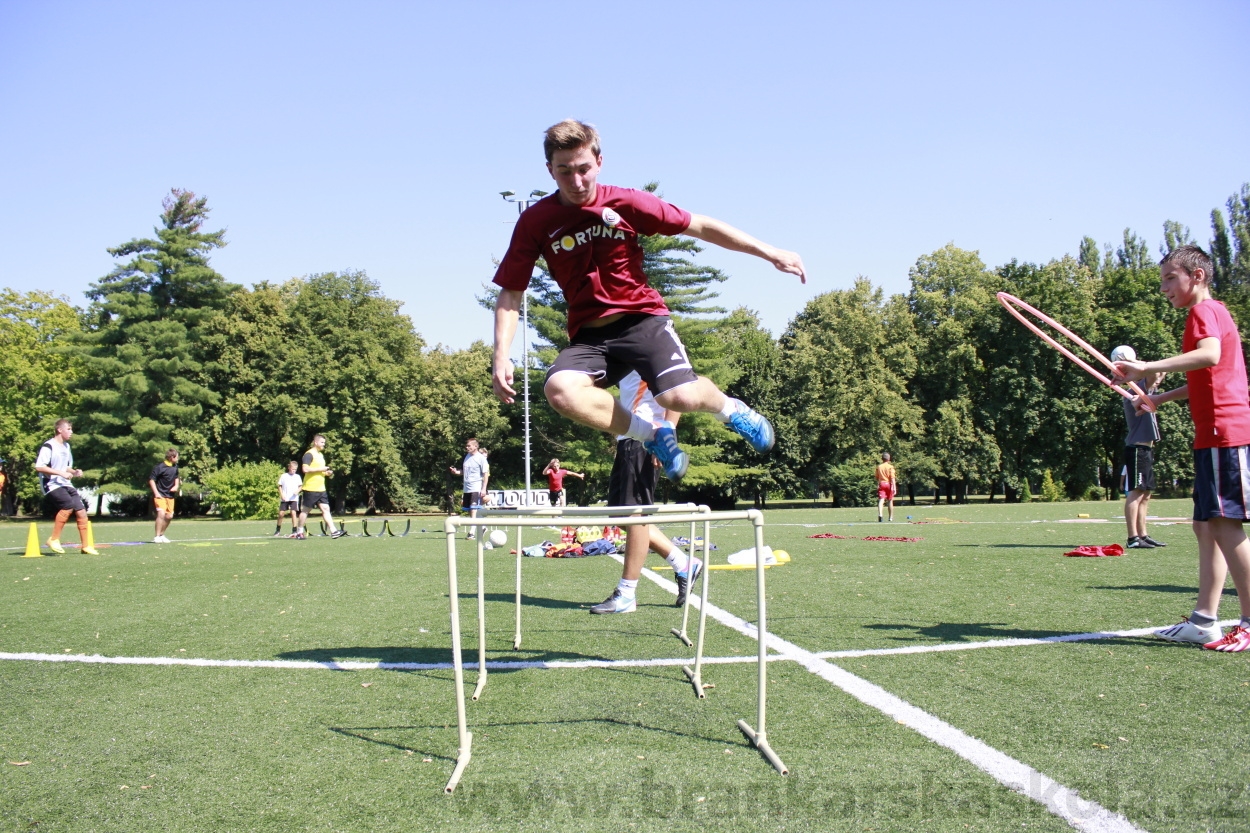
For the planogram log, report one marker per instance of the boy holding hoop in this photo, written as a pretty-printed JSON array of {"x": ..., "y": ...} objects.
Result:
[{"x": 1216, "y": 387}]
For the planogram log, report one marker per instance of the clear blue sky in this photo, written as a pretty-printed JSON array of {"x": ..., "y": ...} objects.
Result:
[{"x": 377, "y": 135}]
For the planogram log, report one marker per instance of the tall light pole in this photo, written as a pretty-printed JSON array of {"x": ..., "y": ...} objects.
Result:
[{"x": 523, "y": 203}]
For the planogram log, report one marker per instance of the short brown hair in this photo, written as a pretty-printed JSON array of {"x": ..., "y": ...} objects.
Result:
[
  {"x": 60, "y": 423},
  {"x": 1190, "y": 258},
  {"x": 570, "y": 134},
  {"x": 171, "y": 454}
]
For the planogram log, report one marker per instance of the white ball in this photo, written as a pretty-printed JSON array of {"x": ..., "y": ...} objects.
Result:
[
  {"x": 499, "y": 538},
  {"x": 1124, "y": 353}
]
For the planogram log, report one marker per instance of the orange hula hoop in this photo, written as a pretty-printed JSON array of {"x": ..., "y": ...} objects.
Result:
[{"x": 1013, "y": 305}]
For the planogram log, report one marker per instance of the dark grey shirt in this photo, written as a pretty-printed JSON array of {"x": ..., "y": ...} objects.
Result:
[{"x": 1142, "y": 430}]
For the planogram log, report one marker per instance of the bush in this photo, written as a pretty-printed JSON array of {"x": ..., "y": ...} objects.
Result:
[
  {"x": 852, "y": 483},
  {"x": 1052, "y": 490},
  {"x": 245, "y": 492}
]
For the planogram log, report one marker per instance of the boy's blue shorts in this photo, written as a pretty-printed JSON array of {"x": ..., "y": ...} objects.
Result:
[{"x": 1222, "y": 483}]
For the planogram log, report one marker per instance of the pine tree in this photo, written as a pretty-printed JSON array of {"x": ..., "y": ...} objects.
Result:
[{"x": 144, "y": 387}]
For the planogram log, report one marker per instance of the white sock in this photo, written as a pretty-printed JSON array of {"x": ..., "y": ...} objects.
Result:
[
  {"x": 731, "y": 407},
  {"x": 628, "y": 588},
  {"x": 678, "y": 560},
  {"x": 640, "y": 429}
]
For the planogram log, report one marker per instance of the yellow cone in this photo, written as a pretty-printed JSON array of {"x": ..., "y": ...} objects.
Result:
[{"x": 32, "y": 543}]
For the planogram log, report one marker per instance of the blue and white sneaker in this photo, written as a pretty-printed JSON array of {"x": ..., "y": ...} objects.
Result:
[
  {"x": 616, "y": 603},
  {"x": 684, "y": 580},
  {"x": 749, "y": 423},
  {"x": 664, "y": 446}
]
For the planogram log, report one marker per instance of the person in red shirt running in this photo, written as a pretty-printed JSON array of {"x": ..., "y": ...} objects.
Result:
[
  {"x": 555, "y": 481},
  {"x": 1216, "y": 387},
  {"x": 587, "y": 233}
]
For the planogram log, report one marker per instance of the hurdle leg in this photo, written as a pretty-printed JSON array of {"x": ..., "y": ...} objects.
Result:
[
  {"x": 685, "y": 608},
  {"x": 695, "y": 675},
  {"x": 481, "y": 617},
  {"x": 464, "y": 752},
  {"x": 516, "y": 637},
  {"x": 759, "y": 738}
]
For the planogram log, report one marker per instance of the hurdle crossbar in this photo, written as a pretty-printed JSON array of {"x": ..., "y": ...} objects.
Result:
[{"x": 630, "y": 516}]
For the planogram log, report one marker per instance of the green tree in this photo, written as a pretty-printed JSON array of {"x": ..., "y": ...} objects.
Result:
[
  {"x": 1230, "y": 251},
  {"x": 144, "y": 387},
  {"x": 38, "y": 381},
  {"x": 845, "y": 363},
  {"x": 324, "y": 354}
]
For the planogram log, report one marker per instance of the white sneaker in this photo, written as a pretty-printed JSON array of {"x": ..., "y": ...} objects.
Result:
[
  {"x": 1187, "y": 631},
  {"x": 161, "y": 539}
]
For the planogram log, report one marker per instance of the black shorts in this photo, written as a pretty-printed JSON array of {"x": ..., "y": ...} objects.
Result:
[
  {"x": 1222, "y": 483},
  {"x": 633, "y": 476},
  {"x": 646, "y": 343},
  {"x": 66, "y": 497},
  {"x": 1139, "y": 469},
  {"x": 471, "y": 500},
  {"x": 553, "y": 496},
  {"x": 314, "y": 499},
  {"x": 289, "y": 505}
]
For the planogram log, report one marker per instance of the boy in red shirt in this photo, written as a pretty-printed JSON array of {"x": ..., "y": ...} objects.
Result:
[
  {"x": 587, "y": 233},
  {"x": 1216, "y": 387},
  {"x": 555, "y": 481}
]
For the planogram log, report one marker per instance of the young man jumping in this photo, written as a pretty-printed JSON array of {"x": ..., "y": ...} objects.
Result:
[{"x": 587, "y": 233}]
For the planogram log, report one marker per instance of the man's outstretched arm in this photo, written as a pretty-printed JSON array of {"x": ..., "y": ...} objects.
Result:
[
  {"x": 507, "y": 311},
  {"x": 714, "y": 231}
]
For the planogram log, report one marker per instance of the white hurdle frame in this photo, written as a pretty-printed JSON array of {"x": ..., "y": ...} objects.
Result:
[
  {"x": 631, "y": 516},
  {"x": 557, "y": 513}
]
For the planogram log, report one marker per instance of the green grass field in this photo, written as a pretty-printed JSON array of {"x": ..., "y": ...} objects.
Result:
[{"x": 1152, "y": 731}]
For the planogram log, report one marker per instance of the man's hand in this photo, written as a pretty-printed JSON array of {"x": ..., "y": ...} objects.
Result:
[
  {"x": 502, "y": 381},
  {"x": 1129, "y": 371},
  {"x": 1139, "y": 404},
  {"x": 789, "y": 262}
]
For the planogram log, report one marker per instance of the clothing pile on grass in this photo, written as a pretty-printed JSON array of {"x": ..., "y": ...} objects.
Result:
[{"x": 580, "y": 542}]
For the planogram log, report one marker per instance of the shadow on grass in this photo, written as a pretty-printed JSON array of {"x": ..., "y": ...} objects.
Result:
[
  {"x": 428, "y": 656},
  {"x": 1064, "y": 547},
  {"x": 527, "y": 601},
  {"x": 967, "y": 631},
  {"x": 1189, "y": 590},
  {"x": 479, "y": 729}
]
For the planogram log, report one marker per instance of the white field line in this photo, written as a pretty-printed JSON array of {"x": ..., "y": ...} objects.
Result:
[
  {"x": 1013, "y": 774},
  {"x": 517, "y": 665}
]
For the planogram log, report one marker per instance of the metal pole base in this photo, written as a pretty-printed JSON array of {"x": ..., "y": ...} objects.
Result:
[
  {"x": 681, "y": 634},
  {"x": 462, "y": 760},
  {"x": 696, "y": 680},
  {"x": 760, "y": 742}
]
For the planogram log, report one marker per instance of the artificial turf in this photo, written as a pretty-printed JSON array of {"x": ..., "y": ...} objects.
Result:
[{"x": 1148, "y": 729}]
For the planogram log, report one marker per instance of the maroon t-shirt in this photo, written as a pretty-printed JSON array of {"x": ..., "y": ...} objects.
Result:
[
  {"x": 1218, "y": 396},
  {"x": 592, "y": 251}
]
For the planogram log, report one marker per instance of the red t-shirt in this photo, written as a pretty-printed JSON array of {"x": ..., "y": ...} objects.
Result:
[
  {"x": 555, "y": 479},
  {"x": 592, "y": 251},
  {"x": 1218, "y": 396}
]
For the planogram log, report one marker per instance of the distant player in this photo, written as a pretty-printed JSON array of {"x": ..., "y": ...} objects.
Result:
[
  {"x": 476, "y": 473},
  {"x": 1215, "y": 385},
  {"x": 55, "y": 465},
  {"x": 165, "y": 485},
  {"x": 315, "y": 497},
  {"x": 633, "y": 484},
  {"x": 290, "y": 485},
  {"x": 555, "y": 481},
  {"x": 588, "y": 235},
  {"x": 887, "y": 485},
  {"x": 1138, "y": 475}
]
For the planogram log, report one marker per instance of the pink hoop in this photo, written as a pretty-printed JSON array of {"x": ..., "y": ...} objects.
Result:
[{"x": 1010, "y": 302}]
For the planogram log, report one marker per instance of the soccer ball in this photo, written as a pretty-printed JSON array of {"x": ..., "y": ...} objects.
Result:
[
  {"x": 499, "y": 538},
  {"x": 1124, "y": 353}
]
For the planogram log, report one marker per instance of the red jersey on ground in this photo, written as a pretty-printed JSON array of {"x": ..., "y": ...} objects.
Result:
[
  {"x": 592, "y": 251},
  {"x": 555, "y": 479},
  {"x": 1218, "y": 396}
]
